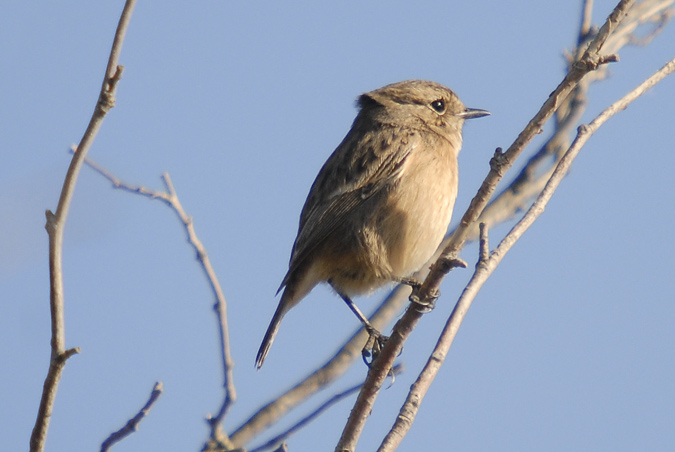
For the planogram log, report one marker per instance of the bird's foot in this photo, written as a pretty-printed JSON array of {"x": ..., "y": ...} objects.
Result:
[
  {"x": 428, "y": 304},
  {"x": 423, "y": 306},
  {"x": 374, "y": 345}
]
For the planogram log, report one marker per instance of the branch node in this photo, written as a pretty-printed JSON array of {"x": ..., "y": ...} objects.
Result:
[
  {"x": 51, "y": 221},
  {"x": 106, "y": 100},
  {"x": 498, "y": 161},
  {"x": 591, "y": 62},
  {"x": 583, "y": 129},
  {"x": 63, "y": 357},
  {"x": 611, "y": 58},
  {"x": 116, "y": 77}
]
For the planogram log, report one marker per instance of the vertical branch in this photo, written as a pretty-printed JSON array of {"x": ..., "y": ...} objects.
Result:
[{"x": 55, "y": 226}]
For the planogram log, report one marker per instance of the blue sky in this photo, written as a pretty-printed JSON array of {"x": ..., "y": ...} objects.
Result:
[{"x": 568, "y": 346}]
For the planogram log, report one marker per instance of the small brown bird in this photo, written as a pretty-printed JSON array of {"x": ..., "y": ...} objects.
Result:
[{"x": 383, "y": 200}]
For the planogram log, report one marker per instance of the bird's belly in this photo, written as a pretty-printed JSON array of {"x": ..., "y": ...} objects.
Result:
[{"x": 415, "y": 235}]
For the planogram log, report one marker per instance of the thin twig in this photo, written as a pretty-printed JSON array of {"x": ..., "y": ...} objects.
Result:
[
  {"x": 170, "y": 198},
  {"x": 487, "y": 264},
  {"x": 220, "y": 308},
  {"x": 132, "y": 425},
  {"x": 55, "y": 226}
]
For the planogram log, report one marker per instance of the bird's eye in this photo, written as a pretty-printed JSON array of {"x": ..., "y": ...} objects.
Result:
[{"x": 438, "y": 106}]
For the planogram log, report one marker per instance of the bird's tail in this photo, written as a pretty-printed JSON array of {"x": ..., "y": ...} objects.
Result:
[{"x": 282, "y": 309}]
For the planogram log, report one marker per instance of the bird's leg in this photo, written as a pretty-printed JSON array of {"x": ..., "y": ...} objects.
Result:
[{"x": 376, "y": 340}]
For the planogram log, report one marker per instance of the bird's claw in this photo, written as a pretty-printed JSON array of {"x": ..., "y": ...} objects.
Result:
[
  {"x": 426, "y": 306},
  {"x": 374, "y": 346},
  {"x": 430, "y": 300}
]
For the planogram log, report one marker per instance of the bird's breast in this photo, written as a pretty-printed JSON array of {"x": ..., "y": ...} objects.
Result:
[{"x": 421, "y": 205}]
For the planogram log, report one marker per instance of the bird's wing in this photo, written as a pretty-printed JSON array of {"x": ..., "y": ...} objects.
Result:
[{"x": 336, "y": 192}]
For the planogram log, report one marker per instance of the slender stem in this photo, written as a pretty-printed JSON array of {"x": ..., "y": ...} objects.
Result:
[
  {"x": 55, "y": 227},
  {"x": 132, "y": 425}
]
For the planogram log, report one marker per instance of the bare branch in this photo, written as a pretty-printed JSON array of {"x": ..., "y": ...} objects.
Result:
[
  {"x": 625, "y": 101},
  {"x": 220, "y": 307},
  {"x": 132, "y": 425},
  {"x": 584, "y": 133},
  {"x": 171, "y": 199},
  {"x": 55, "y": 226},
  {"x": 647, "y": 11}
]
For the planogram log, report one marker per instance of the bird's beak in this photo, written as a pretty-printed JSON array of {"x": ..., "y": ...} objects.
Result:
[{"x": 471, "y": 113}]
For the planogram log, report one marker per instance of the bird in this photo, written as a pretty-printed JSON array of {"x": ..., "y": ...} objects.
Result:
[{"x": 382, "y": 202}]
